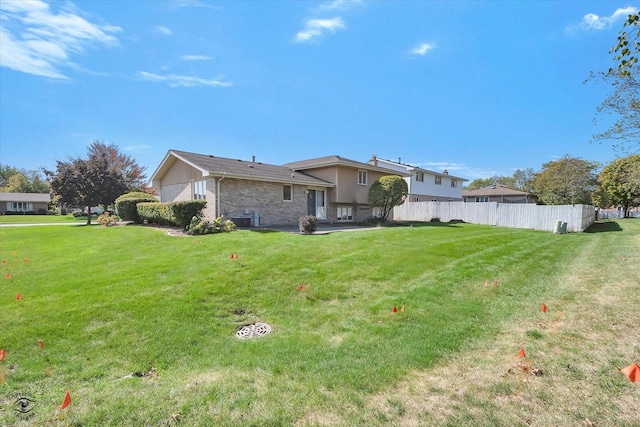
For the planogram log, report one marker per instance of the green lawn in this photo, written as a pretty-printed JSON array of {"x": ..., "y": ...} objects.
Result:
[
  {"x": 35, "y": 219},
  {"x": 109, "y": 302}
]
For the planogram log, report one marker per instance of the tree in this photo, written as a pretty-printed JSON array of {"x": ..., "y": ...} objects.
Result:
[
  {"x": 15, "y": 180},
  {"x": 132, "y": 173},
  {"x": 624, "y": 101},
  {"x": 5, "y": 173},
  {"x": 387, "y": 192},
  {"x": 478, "y": 183},
  {"x": 569, "y": 180},
  {"x": 619, "y": 184},
  {"x": 523, "y": 180},
  {"x": 87, "y": 183}
]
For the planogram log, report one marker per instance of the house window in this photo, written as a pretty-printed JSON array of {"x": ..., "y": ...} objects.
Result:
[
  {"x": 454, "y": 183},
  {"x": 344, "y": 213},
  {"x": 438, "y": 180},
  {"x": 20, "y": 206},
  {"x": 287, "y": 193},
  {"x": 362, "y": 177},
  {"x": 482, "y": 199},
  {"x": 420, "y": 177},
  {"x": 198, "y": 188},
  {"x": 417, "y": 199}
]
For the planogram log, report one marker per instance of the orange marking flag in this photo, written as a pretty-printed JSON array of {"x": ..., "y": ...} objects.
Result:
[
  {"x": 18, "y": 296},
  {"x": 2, "y": 354},
  {"x": 544, "y": 308},
  {"x": 40, "y": 343},
  {"x": 632, "y": 371},
  {"x": 67, "y": 400},
  {"x": 521, "y": 353}
]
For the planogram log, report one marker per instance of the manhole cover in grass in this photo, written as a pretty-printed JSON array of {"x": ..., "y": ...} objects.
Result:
[{"x": 253, "y": 330}]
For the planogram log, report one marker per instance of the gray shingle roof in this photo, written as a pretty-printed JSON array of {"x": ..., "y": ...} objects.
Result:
[
  {"x": 494, "y": 190},
  {"x": 235, "y": 168},
  {"x": 25, "y": 197},
  {"x": 337, "y": 161}
]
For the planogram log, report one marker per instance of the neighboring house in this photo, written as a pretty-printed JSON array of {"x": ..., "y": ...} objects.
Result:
[
  {"x": 251, "y": 193},
  {"x": 24, "y": 202},
  {"x": 426, "y": 185},
  {"x": 348, "y": 199},
  {"x": 248, "y": 192},
  {"x": 498, "y": 193}
]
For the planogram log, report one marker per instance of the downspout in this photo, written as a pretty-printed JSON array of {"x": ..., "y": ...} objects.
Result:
[{"x": 218, "y": 195}]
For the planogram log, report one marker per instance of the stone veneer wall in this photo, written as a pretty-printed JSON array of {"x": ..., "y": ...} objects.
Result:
[{"x": 238, "y": 195}]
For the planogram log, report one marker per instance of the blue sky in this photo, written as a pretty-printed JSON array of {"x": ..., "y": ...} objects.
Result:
[{"x": 478, "y": 88}]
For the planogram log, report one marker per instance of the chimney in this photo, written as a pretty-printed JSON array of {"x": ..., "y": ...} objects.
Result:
[
  {"x": 374, "y": 160},
  {"x": 253, "y": 159},
  {"x": 400, "y": 160},
  {"x": 446, "y": 172}
]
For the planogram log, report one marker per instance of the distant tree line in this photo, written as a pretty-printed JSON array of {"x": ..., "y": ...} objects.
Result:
[{"x": 14, "y": 180}]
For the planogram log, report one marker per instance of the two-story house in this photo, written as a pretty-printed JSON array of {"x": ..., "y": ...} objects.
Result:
[{"x": 425, "y": 185}]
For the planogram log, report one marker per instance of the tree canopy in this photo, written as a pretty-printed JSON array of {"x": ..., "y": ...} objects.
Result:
[
  {"x": 98, "y": 180},
  {"x": 522, "y": 180},
  {"x": 570, "y": 180},
  {"x": 624, "y": 101},
  {"x": 387, "y": 192},
  {"x": 619, "y": 184},
  {"x": 14, "y": 180}
]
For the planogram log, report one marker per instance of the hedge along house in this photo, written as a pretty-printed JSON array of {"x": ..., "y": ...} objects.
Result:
[
  {"x": 348, "y": 200},
  {"x": 20, "y": 203},
  {"x": 248, "y": 192}
]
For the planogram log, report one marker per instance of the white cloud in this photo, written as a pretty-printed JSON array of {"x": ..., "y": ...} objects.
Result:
[
  {"x": 164, "y": 30},
  {"x": 183, "y": 81},
  {"x": 422, "y": 49},
  {"x": 36, "y": 40},
  {"x": 340, "y": 4},
  {"x": 316, "y": 27},
  {"x": 195, "y": 3},
  {"x": 591, "y": 21},
  {"x": 137, "y": 148},
  {"x": 196, "y": 58}
]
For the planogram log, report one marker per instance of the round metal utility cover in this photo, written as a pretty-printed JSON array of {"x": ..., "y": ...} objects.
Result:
[{"x": 253, "y": 330}]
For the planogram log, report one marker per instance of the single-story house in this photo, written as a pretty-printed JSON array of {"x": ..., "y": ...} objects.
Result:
[
  {"x": 425, "y": 185},
  {"x": 252, "y": 193},
  {"x": 24, "y": 202},
  {"x": 498, "y": 193}
]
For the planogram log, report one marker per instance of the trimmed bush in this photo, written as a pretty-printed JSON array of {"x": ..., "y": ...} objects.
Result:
[
  {"x": 107, "y": 220},
  {"x": 199, "y": 225},
  {"x": 174, "y": 213},
  {"x": 308, "y": 224},
  {"x": 126, "y": 205}
]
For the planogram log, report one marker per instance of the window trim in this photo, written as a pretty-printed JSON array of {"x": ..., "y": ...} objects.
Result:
[
  {"x": 199, "y": 190},
  {"x": 419, "y": 176},
  {"x": 284, "y": 187},
  {"x": 362, "y": 174},
  {"x": 438, "y": 180},
  {"x": 454, "y": 183},
  {"x": 344, "y": 218}
]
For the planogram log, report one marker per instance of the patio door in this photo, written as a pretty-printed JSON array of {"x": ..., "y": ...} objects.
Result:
[{"x": 316, "y": 204}]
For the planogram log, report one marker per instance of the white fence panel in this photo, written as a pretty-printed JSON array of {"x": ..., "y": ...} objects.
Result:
[{"x": 513, "y": 215}]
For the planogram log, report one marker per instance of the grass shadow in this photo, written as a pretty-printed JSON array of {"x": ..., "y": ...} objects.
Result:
[
  {"x": 426, "y": 224},
  {"x": 603, "y": 227}
]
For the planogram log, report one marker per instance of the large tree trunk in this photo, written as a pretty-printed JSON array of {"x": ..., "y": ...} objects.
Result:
[{"x": 88, "y": 215}]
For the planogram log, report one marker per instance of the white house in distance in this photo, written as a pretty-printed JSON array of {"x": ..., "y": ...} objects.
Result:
[{"x": 425, "y": 185}]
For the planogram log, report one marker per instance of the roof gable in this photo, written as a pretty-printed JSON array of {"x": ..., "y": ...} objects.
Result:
[{"x": 327, "y": 161}]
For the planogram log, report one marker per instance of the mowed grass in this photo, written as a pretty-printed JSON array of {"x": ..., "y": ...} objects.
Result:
[
  {"x": 109, "y": 302},
  {"x": 40, "y": 219}
]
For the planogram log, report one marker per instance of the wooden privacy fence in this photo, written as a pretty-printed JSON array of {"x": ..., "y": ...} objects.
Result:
[{"x": 513, "y": 215}]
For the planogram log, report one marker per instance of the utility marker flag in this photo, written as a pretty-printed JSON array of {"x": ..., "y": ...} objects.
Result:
[
  {"x": 25, "y": 260},
  {"x": 9, "y": 276},
  {"x": 632, "y": 371},
  {"x": 67, "y": 400},
  {"x": 521, "y": 353},
  {"x": 40, "y": 343},
  {"x": 544, "y": 308},
  {"x": 300, "y": 287},
  {"x": 486, "y": 283},
  {"x": 4, "y": 262},
  {"x": 2, "y": 354},
  {"x": 402, "y": 309},
  {"x": 395, "y": 309},
  {"x": 18, "y": 296}
]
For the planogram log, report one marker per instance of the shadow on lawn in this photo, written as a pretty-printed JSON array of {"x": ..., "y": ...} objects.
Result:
[
  {"x": 427, "y": 224},
  {"x": 603, "y": 226}
]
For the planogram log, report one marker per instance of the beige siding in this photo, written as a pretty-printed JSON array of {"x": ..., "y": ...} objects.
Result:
[{"x": 180, "y": 172}]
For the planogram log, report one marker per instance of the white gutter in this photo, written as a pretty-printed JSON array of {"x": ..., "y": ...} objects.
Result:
[{"x": 218, "y": 195}]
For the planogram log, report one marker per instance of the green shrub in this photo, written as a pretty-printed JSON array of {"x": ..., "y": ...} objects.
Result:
[
  {"x": 126, "y": 205},
  {"x": 200, "y": 225},
  {"x": 107, "y": 220},
  {"x": 308, "y": 224},
  {"x": 174, "y": 213}
]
